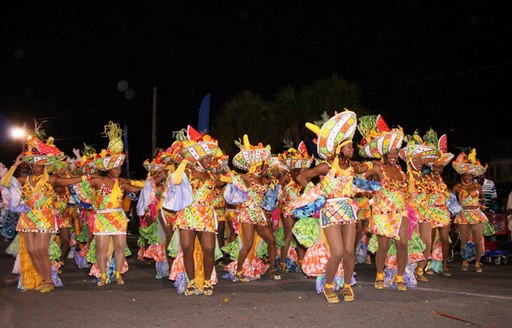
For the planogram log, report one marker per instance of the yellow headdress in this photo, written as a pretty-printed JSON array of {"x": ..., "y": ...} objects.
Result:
[
  {"x": 250, "y": 156},
  {"x": 336, "y": 130},
  {"x": 417, "y": 148},
  {"x": 113, "y": 156},
  {"x": 378, "y": 138},
  {"x": 297, "y": 158},
  {"x": 468, "y": 163}
]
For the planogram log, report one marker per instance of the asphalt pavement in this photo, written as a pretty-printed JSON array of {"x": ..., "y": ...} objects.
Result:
[{"x": 468, "y": 299}]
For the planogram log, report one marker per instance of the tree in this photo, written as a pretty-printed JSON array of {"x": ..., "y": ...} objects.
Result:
[{"x": 285, "y": 116}]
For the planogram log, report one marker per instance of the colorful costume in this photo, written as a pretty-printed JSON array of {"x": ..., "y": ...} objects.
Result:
[{"x": 197, "y": 212}]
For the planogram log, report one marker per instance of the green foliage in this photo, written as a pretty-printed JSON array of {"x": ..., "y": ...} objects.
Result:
[{"x": 284, "y": 116}]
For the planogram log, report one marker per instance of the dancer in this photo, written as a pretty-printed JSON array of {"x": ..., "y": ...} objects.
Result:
[
  {"x": 437, "y": 200},
  {"x": 106, "y": 197},
  {"x": 196, "y": 219},
  {"x": 471, "y": 198},
  {"x": 37, "y": 224},
  {"x": 338, "y": 214},
  {"x": 389, "y": 216},
  {"x": 296, "y": 160},
  {"x": 253, "y": 222},
  {"x": 416, "y": 154}
]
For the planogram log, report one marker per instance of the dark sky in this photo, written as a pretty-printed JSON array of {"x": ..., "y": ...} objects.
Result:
[{"x": 420, "y": 63}]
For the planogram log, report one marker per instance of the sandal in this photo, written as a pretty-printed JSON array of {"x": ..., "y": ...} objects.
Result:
[
  {"x": 368, "y": 259},
  {"x": 103, "y": 280},
  {"x": 191, "y": 288},
  {"x": 348, "y": 293},
  {"x": 465, "y": 266},
  {"x": 47, "y": 288},
  {"x": 379, "y": 281},
  {"x": 329, "y": 293},
  {"x": 447, "y": 273},
  {"x": 282, "y": 267},
  {"x": 420, "y": 275},
  {"x": 241, "y": 277},
  {"x": 274, "y": 275},
  {"x": 400, "y": 284},
  {"x": 478, "y": 267},
  {"x": 207, "y": 288},
  {"x": 118, "y": 278}
]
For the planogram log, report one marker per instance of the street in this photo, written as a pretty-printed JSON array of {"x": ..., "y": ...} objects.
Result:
[{"x": 466, "y": 299}]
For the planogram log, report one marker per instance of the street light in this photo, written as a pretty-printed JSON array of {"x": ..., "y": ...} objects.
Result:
[{"x": 19, "y": 133}]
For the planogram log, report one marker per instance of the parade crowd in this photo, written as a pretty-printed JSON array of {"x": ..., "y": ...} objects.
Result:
[{"x": 269, "y": 213}]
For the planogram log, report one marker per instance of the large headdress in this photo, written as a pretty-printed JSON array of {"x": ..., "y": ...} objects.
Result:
[
  {"x": 297, "y": 158},
  {"x": 430, "y": 138},
  {"x": 113, "y": 156},
  {"x": 417, "y": 148},
  {"x": 249, "y": 156},
  {"x": 335, "y": 131},
  {"x": 468, "y": 163},
  {"x": 194, "y": 146},
  {"x": 39, "y": 151},
  {"x": 378, "y": 138},
  {"x": 160, "y": 160}
]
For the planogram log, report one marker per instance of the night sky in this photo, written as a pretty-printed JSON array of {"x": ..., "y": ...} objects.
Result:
[{"x": 440, "y": 64}]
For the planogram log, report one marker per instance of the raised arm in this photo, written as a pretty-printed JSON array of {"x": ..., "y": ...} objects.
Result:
[{"x": 305, "y": 176}]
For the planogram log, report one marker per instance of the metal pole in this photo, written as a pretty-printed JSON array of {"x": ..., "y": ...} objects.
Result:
[
  {"x": 23, "y": 139},
  {"x": 153, "y": 124}
]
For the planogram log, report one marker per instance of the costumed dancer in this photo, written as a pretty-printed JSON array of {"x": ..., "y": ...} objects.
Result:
[
  {"x": 61, "y": 199},
  {"x": 79, "y": 207},
  {"x": 220, "y": 166},
  {"x": 152, "y": 241},
  {"x": 296, "y": 160},
  {"x": 364, "y": 213},
  {"x": 105, "y": 193},
  {"x": 253, "y": 221},
  {"x": 471, "y": 198},
  {"x": 338, "y": 210},
  {"x": 389, "y": 221},
  {"x": 37, "y": 223},
  {"x": 417, "y": 154},
  {"x": 10, "y": 195},
  {"x": 273, "y": 172},
  {"x": 190, "y": 194},
  {"x": 437, "y": 206}
]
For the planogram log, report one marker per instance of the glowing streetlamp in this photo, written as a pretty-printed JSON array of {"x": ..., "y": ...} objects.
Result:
[{"x": 19, "y": 133}]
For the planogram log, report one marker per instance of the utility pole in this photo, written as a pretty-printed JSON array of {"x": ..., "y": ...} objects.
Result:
[{"x": 153, "y": 124}]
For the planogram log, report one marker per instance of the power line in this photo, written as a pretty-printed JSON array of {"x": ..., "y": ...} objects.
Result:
[
  {"x": 424, "y": 19},
  {"x": 441, "y": 76}
]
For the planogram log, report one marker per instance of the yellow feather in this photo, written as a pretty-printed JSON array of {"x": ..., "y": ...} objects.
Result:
[
  {"x": 314, "y": 128},
  {"x": 247, "y": 144},
  {"x": 472, "y": 156}
]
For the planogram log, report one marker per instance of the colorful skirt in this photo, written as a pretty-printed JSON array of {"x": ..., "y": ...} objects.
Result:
[
  {"x": 197, "y": 217},
  {"x": 470, "y": 217},
  {"x": 365, "y": 208},
  {"x": 110, "y": 222},
  {"x": 37, "y": 221},
  {"x": 438, "y": 215},
  {"x": 338, "y": 211}
]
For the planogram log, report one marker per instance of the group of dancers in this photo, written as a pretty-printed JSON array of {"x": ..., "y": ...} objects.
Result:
[{"x": 266, "y": 212}]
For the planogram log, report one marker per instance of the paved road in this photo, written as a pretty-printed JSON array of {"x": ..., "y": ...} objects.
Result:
[{"x": 481, "y": 299}]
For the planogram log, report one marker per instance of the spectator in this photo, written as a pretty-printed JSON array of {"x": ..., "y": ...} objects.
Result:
[
  {"x": 509, "y": 213},
  {"x": 490, "y": 194}
]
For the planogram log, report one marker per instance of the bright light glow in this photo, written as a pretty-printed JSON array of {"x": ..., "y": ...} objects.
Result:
[{"x": 18, "y": 133}]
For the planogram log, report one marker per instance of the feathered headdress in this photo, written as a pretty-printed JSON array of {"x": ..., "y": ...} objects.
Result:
[
  {"x": 378, "y": 139},
  {"x": 113, "y": 156},
  {"x": 334, "y": 132},
  {"x": 468, "y": 163},
  {"x": 249, "y": 155}
]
